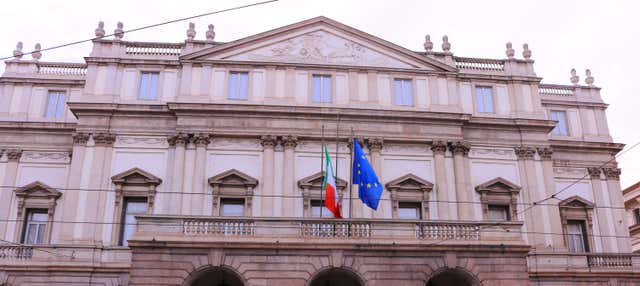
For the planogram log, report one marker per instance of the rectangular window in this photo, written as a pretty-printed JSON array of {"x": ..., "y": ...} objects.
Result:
[
  {"x": 238, "y": 85},
  {"x": 409, "y": 210},
  {"x": 636, "y": 216},
  {"x": 484, "y": 99},
  {"x": 148, "y": 85},
  {"x": 132, "y": 207},
  {"x": 561, "y": 127},
  {"x": 577, "y": 236},
  {"x": 231, "y": 207},
  {"x": 35, "y": 226},
  {"x": 317, "y": 206},
  {"x": 403, "y": 90},
  {"x": 56, "y": 104},
  {"x": 497, "y": 212},
  {"x": 322, "y": 88}
]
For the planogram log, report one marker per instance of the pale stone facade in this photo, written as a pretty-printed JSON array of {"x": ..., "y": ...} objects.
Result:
[
  {"x": 163, "y": 141},
  {"x": 632, "y": 205}
]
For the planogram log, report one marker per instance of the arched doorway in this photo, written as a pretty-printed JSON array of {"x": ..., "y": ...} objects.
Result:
[
  {"x": 336, "y": 277},
  {"x": 450, "y": 277},
  {"x": 215, "y": 276}
]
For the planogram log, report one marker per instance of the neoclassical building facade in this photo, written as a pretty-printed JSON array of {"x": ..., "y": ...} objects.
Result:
[{"x": 198, "y": 163}]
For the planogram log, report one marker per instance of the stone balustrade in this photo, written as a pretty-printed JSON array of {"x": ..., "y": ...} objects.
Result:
[
  {"x": 12, "y": 252},
  {"x": 153, "y": 49},
  {"x": 481, "y": 65},
  {"x": 47, "y": 255},
  {"x": 213, "y": 229},
  {"x": 556, "y": 90},
  {"x": 583, "y": 262},
  {"x": 62, "y": 69}
]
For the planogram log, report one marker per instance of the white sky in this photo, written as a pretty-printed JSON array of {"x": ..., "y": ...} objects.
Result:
[{"x": 600, "y": 35}]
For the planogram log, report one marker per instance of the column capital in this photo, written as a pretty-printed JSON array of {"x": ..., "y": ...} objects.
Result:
[
  {"x": 14, "y": 154},
  {"x": 439, "y": 147},
  {"x": 525, "y": 152},
  {"x": 375, "y": 144},
  {"x": 290, "y": 141},
  {"x": 594, "y": 172},
  {"x": 545, "y": 153},
  {"x": 104, "y": 139},
  {"x": 201, "y": 140},
  {"x": 612, "y": 173},
  {"x": 80, "y": 138},
  {"x": 268, "y": 141},
  {"x": 178, "y": 139},
  {"x": 459, "y": 147}
]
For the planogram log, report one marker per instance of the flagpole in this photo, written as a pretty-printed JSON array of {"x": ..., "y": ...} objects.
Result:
[
  {"x": 349, "y": 186},
  {"x": 322, "y": 170},
  {"x": 335, "y": 175}
]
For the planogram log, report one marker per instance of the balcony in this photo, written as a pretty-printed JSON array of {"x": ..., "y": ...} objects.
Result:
[
  {"x": 196, "y": 230},
  {"x": 47, "y": 255},
  {"x": 583, "y": 262}
]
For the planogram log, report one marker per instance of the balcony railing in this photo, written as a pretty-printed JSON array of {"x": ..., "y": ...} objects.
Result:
[
  {"x": 8, "y": 252},
  {"x": 477, "y": 64},
  {"x": 335, "y": 229},
  {"x": 583, "y": 262},
  {"x": 609, "y": 260},
  {"x": 153, "y": 49},
  {"x": 556, "y": 90},
  {"x": 218, "y": 227},
  {"x": 62, "y": 69}
]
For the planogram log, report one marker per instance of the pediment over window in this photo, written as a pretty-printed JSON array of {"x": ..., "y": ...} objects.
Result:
[
  {"x": 319, "y": 41},
  {"x": 315, "y": 182},
  {"x": 410, "y": 182},
  {"x": 233, "y": 178},
  {"x": 136, "y": 176},
  {"x": 498, "y": 185},
  {"x": 576, "y": 202},
  {"x": 38, "y": 189}
]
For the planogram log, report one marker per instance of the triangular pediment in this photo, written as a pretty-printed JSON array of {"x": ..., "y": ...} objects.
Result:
[
  {"x": 410, "y": 182},
  {"x": 136, "y": 176},
  {"x": 316, "y": 180},
  {"x": 498, "y": 185},
  {"x": 320, "y": 41},
  {"x": 37, "y": 189},
  {"x": 576, "y": 202},
  {"x": 233, "y": 178}
]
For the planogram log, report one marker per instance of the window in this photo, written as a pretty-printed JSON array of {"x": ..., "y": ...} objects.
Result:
[
  {"x": 409, "y": 210},
  {"x": 497, "y": 212},
  {"x": 148, "y": 85},
  {"x": 561, "y": 127},
  {"x": 35, "y": 226},
  {"x": 636, "y": 216},
  {"x": 317, "y": 206},
  {"x": 403, "y": 91},
  {"x": 484, "y": 99},
  {"x": 55, "y": 105},
  {"x": 238, "y": 85},
  {"x": 132, "y": 207},
  {"x": 322, "y": 88},
  {"x": 231, "y": 207},
  {"x": 577, "y": 236}
]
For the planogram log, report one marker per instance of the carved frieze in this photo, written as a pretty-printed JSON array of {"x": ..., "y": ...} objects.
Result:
[
  {"x": 525, "y": 152},
  {"x": 235, "y": 143},
  {"x": 568, "y": 172},
  {"x": 45, "y": 157},
  {"x": 141, "y": 141},
  {"x": 422, "y": 149},
  {"x": 492, "y": 153}
]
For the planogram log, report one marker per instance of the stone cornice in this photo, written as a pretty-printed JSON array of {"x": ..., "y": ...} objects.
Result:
[{"x": 585, "y": 146}]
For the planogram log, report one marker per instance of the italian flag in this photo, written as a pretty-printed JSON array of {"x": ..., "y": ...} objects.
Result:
[{"x": 331, "y": 196}]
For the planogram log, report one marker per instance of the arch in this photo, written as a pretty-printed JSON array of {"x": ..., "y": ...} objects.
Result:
[
  {"x": 336, "y": 276},
  {"x": 214, "y": 276},
  {"x": 452, "y": 276}
]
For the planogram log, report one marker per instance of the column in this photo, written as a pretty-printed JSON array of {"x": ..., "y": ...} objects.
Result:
[
  {"x": 601, "y": 211},
  {"x": 199, "y": 197},
  {"x": 554, "y": 222},
  {"x": 288, "y": 206},
  {"x": 6, "y": 194},
  {"x": 439, "y": 148},
  {"x": 187, "y": 180},
  {"x": 384, "y": 207},
  {"x": 460, "y": 150},
  {"x": 179, "y": 141},
  {"x": 71, "y": 195},
  {"x": 531, "y": 193},
  {"x": 616, "y": 201},
  {"x": 268, "y": 143}
]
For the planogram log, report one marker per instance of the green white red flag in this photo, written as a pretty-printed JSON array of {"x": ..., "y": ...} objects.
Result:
[{"x": 331, "y": 195}]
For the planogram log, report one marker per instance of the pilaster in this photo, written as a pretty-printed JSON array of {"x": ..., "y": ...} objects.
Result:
[
  {"x": 9, "y": 179},
  {"x": 525, "y": 155},
  {"x": 439, "y": 148},
  {"x": 289, "y": 143},
  {"x": 550, "y": 207},
  {"x": 199, "y": 196},
  {"x": 179, "y": 142},
  {"x": 72, "y": 193},
  {"x": 609, "y": 244},
  {"x": 375, "y": 146},
  {"x": 620, "y": 224},
  {"x": 460, "y": 151},
  {"x": 268, "y": 143}
]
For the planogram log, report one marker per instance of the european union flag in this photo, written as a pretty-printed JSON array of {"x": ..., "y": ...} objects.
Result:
[{"x": 369, "y": 187}]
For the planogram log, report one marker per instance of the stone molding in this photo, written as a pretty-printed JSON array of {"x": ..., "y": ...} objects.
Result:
[
  {"x": 290, "y": 141},
  {"x": 439, "y": 147},
  {"x": 46, "y": 157},
  {"x": 80, "y": 138},
  {"x": 375, "y": 144},
  {"x": 612, "y": 173},
  {"x": 545, "y": 153},
  {"x": 525, "y": 152},
  {"x": 268, "y": 141},
  {"x": 459, "y": 148},
  {"x": 178, "y": 139},
  {"x": 104, "y": 139},
  {"x": 14, "y": 155},
  {"x": 594, "y": 172}
]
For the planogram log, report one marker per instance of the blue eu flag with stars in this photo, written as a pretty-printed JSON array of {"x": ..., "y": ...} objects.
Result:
[{"x": 369, "y": 187}]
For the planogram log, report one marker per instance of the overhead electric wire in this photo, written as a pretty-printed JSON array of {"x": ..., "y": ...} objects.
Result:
[{"x": 147, "y": 27}]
